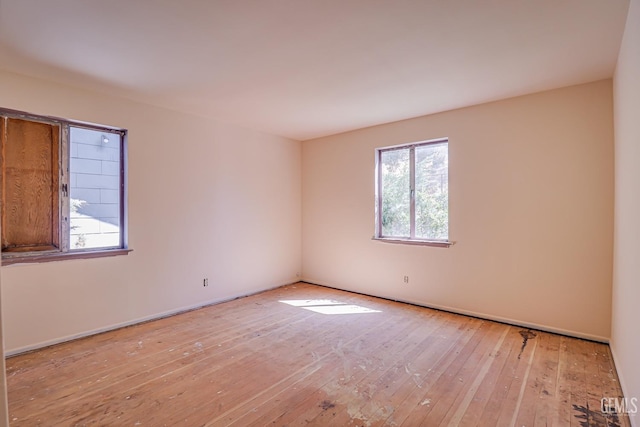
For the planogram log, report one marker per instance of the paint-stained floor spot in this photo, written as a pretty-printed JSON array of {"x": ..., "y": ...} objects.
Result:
[
  {"x": 526, "y": 336},
  {"x": 591, "y": 418},
  {"x": 327, "y": 404}
]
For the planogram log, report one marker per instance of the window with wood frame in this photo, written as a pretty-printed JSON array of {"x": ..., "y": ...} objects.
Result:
[
  {"x": 62, "y": 186},
  {"x": 412, "y": 193}
]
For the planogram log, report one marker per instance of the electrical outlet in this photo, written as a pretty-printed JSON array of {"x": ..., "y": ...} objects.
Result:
[
  {"x": 205, "y": 282},
  {"x": 406, "y": 279}
]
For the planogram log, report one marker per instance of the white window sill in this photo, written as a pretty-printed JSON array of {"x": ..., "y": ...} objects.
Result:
[{"x": 417, "y": 242}]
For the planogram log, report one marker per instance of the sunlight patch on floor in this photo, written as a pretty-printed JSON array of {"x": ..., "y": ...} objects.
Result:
[{"x": 325, "y": 306}]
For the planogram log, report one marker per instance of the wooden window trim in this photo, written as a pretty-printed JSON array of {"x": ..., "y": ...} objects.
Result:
[
  {"x": 21, "y": 188},
  {"x": 62, "y": 210},
  {"x": 48, "y": 256}
]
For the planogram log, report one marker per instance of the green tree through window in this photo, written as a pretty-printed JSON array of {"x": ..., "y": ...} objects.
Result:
[{"x": 413, "y": 192}]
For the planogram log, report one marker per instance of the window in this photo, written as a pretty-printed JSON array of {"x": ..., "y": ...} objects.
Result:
[
  {"x": 95, "y": 203},
  {"x": 412, "y": 193},
  {"x": 63, "y": 188}
]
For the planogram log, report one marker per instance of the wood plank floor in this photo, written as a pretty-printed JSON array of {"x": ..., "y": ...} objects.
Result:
[{"x": 309, "y": 355}]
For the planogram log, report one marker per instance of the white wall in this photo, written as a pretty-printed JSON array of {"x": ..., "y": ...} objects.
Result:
[
  {"x": 205, "y": 200},
  {"x": 531, "y": 209},
  {"x": 625, "y": 339},
  {"x": 4, "y": 416}
]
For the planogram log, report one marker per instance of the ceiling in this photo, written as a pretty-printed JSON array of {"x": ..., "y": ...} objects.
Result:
[{"x": 309, "y": 68}]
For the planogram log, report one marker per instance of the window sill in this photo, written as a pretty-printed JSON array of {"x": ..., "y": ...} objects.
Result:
[
  {"x": 32, "y": 257},
  {"x": 434, "y": 243}
]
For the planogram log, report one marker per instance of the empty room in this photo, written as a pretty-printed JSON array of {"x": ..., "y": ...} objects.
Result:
[{"x": 329, "y": 213}]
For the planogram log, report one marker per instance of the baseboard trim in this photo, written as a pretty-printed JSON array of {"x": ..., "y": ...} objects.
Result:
[
  {"x": 478, "y": 315},
  {"x": 150, "y": 318},
  {"x": 184, "y": 309}
]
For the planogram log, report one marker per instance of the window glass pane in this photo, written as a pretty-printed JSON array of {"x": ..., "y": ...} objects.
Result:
[
  {"x": 95, "y": 189},
  {"x": 432, "y": 191},
  {"x": 395, "y": 192}
]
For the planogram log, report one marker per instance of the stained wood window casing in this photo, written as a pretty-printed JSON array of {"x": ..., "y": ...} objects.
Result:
[
  {"x": 30, "y": 185},
  {"x": 35, "y": 188}
]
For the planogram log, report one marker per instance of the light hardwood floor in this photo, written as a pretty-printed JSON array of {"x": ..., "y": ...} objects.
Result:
[{"x": 262, "y": 361}]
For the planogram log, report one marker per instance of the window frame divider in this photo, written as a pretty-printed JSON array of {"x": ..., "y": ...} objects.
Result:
[
  {"x": 65, "y": 202},
  {"x": 412, "y": 192}
]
